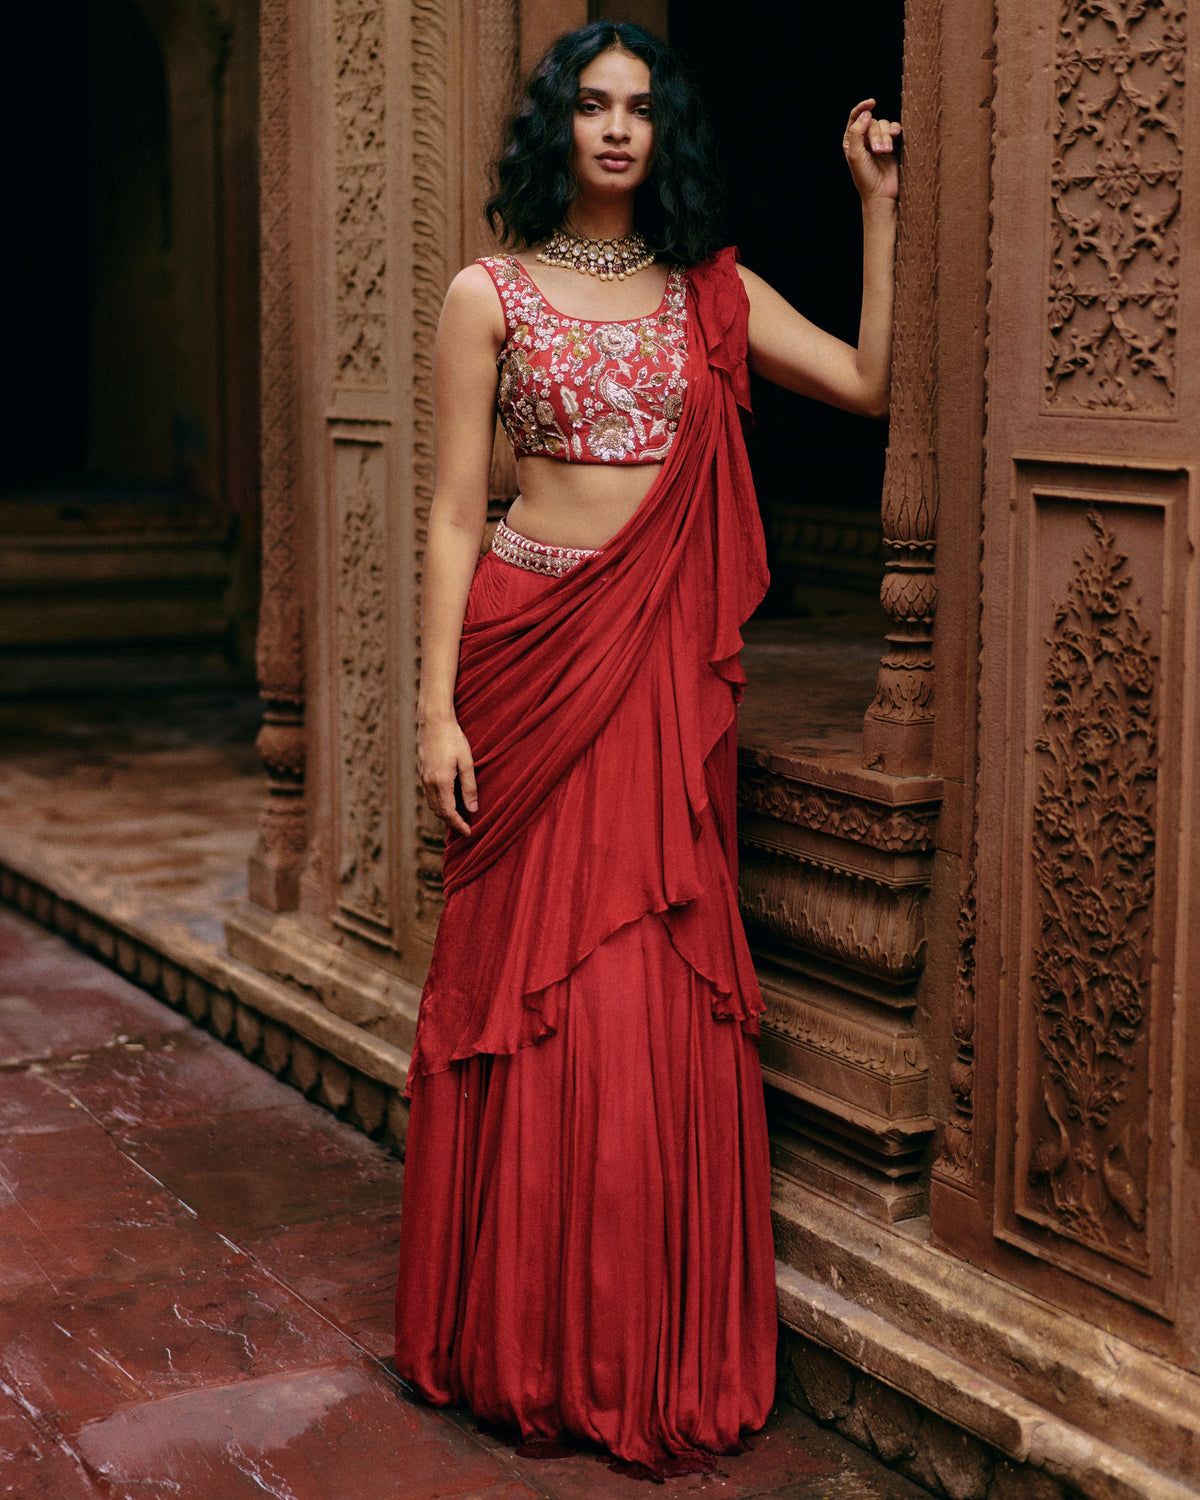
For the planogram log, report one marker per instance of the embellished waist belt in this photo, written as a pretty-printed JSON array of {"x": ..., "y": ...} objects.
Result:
[{"x": 537, "y": 557}]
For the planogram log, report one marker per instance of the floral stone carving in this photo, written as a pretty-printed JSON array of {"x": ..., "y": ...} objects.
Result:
[
  {"x": 1093, "y": 864},
  {"x": 1115, "y": 193}
]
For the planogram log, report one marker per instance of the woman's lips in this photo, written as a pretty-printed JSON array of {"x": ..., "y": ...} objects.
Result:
[{"x": 615, "y": 161}]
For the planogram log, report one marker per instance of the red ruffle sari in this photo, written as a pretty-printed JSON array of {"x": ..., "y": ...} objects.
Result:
[{"x": 585, "y": 1241}]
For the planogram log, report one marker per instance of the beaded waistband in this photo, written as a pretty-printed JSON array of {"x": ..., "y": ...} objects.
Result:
[{"x": 537, "y": 557}]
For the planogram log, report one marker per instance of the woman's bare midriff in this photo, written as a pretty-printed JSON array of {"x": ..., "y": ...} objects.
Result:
[{"x": 577, "y": 505}]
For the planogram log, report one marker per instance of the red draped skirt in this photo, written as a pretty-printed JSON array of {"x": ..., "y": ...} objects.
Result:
[{"x": 586, "y": 1243}]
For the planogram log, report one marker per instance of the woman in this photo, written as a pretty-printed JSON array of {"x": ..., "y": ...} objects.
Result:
[{"x": 586, "y": 1244}]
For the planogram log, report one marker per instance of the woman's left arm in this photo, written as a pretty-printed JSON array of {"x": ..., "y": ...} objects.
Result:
[{"x": 793, "y": 352}]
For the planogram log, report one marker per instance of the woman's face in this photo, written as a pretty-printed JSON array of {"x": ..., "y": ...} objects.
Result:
[{"x": 613, "y": 148}]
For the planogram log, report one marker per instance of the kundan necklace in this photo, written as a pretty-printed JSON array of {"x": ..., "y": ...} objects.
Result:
[{"x": 610, "y": 260}]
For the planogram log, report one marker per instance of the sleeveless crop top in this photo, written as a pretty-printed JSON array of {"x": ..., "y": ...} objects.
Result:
[{"x": 588, "y": 392}]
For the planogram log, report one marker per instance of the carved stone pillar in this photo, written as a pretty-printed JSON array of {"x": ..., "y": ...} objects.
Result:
[
  {"x": 366, "y": 219},
  {"x": 275, "y": 864},
  {"x": 898, "y": 729}
]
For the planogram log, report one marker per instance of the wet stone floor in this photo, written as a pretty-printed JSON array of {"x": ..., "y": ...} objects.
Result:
[{"x": 196, "y": 1283}]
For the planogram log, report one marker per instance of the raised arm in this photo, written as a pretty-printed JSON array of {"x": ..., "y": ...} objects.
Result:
[
  {"x": 792, "y": 351},
  {"x": 470, "y": 334}
]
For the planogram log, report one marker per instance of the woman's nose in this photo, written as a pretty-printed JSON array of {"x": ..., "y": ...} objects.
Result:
[{"x": 618, "y": 128}]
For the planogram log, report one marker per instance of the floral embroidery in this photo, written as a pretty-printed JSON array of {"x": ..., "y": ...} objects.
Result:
[
  {"x": 611, "y": 438},
  {"x": 590, "y": 392}
]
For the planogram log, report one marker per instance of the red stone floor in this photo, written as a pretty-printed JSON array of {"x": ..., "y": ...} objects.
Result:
[{"x": 196, "y": 1281}]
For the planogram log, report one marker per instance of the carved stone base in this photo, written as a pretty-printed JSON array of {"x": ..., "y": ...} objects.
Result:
[
  {"x": 898, "y": 749},
  {"x": 835, "y": 864},
  {"x": 356, "y": 987},
  {"x": 847, "y": 1098},
  {"x": 968, "y": 1353}
]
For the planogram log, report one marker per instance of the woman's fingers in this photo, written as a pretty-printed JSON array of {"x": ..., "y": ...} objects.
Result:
[
  {"x": 876, "y": 134},
  {"x": 466, "y": 780},
  {"x": 442, "y": 803},
  {"x": 444, "y": 764},
  {"x": 870, "y": 147}
]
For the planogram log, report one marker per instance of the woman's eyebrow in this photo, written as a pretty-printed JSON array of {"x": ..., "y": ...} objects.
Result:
[{"x": 594, "y": 93}]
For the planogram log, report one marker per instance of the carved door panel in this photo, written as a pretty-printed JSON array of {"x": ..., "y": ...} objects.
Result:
[{"x": 1077, "y": 1181}]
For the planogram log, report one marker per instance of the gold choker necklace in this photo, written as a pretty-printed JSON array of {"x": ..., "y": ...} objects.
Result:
[{"x": 610, "y": 260}]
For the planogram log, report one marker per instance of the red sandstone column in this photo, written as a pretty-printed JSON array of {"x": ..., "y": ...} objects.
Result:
[
  {"x": 898, "y": 729},
  {"x": 275, "y": 864}
]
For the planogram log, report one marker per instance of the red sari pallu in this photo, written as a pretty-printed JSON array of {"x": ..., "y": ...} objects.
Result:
[{"x": 585, "y": 1240}]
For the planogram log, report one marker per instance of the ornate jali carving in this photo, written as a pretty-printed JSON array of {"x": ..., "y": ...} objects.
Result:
[
  {"x": 1093, "y": 862},
  {"x": 362, "y": 687},
  {"x": 360, "y": 231},
  {"x": 1115, "y": 218}
]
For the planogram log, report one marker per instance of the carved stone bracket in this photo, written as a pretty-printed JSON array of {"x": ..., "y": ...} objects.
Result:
[{"x": 898, "y": 729}]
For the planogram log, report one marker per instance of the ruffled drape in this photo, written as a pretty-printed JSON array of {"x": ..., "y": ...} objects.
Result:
[{"x": 601, "y": 715}]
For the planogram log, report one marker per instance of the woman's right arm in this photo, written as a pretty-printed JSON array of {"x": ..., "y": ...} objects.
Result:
[{"x": 470, "y": 335}]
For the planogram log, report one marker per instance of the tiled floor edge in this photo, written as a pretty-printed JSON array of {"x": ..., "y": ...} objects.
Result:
[{"x": 327, "y": 1059}]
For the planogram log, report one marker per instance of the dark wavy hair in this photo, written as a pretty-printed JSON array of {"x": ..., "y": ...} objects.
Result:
[{"x": 678, "y": 208}]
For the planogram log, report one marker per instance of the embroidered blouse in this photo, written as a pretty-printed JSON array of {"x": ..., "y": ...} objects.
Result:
[{"x": 583, "y": 391}]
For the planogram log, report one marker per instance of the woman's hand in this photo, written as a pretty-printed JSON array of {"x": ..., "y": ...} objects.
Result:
[
  {"x": 443, "y": 760},
  {"x": 870, "y": 150}
]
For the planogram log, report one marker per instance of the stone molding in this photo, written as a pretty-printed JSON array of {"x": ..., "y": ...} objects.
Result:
[
  {"x": 845, "y": 917},
  {"x": 856, "y": 817},
  {"x": 941, "y": 1331}
]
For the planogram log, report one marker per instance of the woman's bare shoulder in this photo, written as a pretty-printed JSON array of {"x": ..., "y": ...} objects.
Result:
[
  {"x": 753, "y": 283},
  {"x": 472, "y": 303}
]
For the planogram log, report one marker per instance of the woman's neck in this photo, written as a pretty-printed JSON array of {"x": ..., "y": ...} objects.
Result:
[{"x": 600, "y": 221}]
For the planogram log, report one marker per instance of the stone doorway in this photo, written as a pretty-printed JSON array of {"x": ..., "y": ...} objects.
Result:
[
  {"x": 128, "y": 468},
  {"x": 795, "y": 218}
]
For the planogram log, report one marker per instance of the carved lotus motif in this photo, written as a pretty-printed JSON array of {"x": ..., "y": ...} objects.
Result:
[
  {"x": 1174, "y": 50},
  {"x": 1118, "y": 175},
  {"x": 1134, "y": 669}
]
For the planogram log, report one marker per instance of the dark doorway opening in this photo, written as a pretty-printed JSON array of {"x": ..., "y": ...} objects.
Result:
[
  {"x": 779, "y": 81},
  {"x": 128, "y": 552},
  {"x": 87, "y": 265}
]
